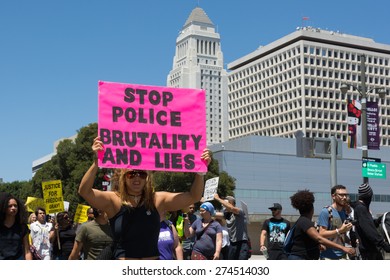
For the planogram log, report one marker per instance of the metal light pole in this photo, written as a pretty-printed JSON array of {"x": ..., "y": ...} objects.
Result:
[
  {"x": 363, "y": 101},
  {"x": 363, "y": 96},
  {"x": 333, "y": 161}
]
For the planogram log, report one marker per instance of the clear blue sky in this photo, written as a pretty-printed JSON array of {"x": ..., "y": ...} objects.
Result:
[{"x": 52, "y": 54}]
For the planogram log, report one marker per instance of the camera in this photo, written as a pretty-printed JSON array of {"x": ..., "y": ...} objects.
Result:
[
  {"x": 350, "y": 220},
  {"x": 185, "y": 215}
]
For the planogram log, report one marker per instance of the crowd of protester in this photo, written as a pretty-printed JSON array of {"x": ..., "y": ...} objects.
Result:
[{"x": 135, "y": 222}]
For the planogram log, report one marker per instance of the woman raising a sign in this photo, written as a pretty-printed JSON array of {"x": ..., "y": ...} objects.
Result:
[{"x": 134, "y": 209}]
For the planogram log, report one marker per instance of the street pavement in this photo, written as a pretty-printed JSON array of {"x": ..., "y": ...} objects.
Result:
[{"x": 257, "y": 257}]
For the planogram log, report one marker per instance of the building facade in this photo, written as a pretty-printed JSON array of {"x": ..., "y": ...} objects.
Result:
[
  {"x": 294, "y": 84},
  {"x": 38, "y": 163},
  {"x": 198, "y": 63},
  {"x": 267, "y": 170}
]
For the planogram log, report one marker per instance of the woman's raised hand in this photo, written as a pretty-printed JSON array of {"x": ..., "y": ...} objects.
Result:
[
  {"x": 206, "y": 156},
  {"x": 97, "y": 145}
]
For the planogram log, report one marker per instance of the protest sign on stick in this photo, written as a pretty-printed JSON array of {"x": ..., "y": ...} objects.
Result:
[
  {"x": 210, "y": 188},
  {"x": 151, "y": 127},
  {"x": 52, "y": 196}
]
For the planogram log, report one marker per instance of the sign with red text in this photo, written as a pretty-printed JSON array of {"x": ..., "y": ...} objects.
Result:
[{"x": 151, "y": 127}]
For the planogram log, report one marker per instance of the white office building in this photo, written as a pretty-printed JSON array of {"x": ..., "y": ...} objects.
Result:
[
  {"x": 198, "y": 63},
  {"x": 294, "y": 84},
  {"x": 38, "y": 163}
]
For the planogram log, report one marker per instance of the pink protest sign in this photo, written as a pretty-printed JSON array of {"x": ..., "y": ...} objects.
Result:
[{"x": 151, "y": 127}]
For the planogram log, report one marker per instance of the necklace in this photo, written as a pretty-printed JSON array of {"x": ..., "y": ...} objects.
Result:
[{"x": 136, "y": 198}]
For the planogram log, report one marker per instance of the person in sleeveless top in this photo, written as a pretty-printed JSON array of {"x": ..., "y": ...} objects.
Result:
[
  {"x": 220, "y": 218},
  {"x": 134, "y": 208},
  {"x": 168, "y": 241}
]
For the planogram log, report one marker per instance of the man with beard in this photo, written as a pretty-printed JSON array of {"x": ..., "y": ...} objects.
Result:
[
  {"x": 237, "y": 226},
  {"x": 370, "y": 241},
  {"x": 274, "y": 231},
  {"x": 333, "y": 223}
]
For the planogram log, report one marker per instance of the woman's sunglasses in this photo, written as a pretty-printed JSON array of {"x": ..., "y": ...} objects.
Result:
[{"x": 136, "y": 173}]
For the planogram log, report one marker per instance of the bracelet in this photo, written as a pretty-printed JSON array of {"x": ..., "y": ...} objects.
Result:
[
  {"x": 337, "y": 231},
  {"x": 201, "y": 173}
]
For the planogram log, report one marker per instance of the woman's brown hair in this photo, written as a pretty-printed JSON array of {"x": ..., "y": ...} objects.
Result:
[{"x": 147, "y": 192}]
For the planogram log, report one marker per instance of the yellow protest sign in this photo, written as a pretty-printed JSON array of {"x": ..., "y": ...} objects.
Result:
[
  {"x": 52, "y": 196},
  {"x": 33, "y": 202},
  {"x": 81, "y": 213}
]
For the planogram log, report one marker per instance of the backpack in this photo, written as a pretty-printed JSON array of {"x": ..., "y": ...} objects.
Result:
[
  {"x": 330, "y": 218},
  {"x": 385, "y": 227},
  {"x": 289, "y": 240}
]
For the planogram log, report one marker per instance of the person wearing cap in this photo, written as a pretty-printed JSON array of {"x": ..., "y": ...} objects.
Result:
[
  {"x": 370, "y": 241},
  {"x": 208, "y": 233},
  {"x": 274, "y": 230},
  {"x": 333, "y": 223},
  {"x": 237, "y": 226}
]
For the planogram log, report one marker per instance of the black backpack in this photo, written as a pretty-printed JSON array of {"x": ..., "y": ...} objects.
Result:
[
  {"x": 384, "y": 227},
  {"x": 289, "y": 240}
]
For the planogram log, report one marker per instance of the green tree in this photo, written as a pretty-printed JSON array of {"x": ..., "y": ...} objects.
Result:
[
  {"x": 69, "y": 165},
  {"x": 20, "y": 189},
  {"x": 181, "y": 182},
  {"x": 73, "y": 158}
]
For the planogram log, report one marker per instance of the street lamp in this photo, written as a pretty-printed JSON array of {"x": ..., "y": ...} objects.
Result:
[{"x": 363, "y": 91}]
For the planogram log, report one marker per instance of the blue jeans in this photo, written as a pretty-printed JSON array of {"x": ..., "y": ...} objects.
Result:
[{"x": 294, "y": 257}]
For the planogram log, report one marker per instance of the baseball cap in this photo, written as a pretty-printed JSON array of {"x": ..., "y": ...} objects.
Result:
[{"x": 276, "y": 206}]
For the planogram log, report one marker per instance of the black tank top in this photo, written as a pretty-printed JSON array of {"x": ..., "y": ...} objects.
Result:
[{"x": 136, "y": 232}]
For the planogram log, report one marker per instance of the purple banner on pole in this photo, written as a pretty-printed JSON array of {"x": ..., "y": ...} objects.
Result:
[{"x": 373, "y": 139}]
